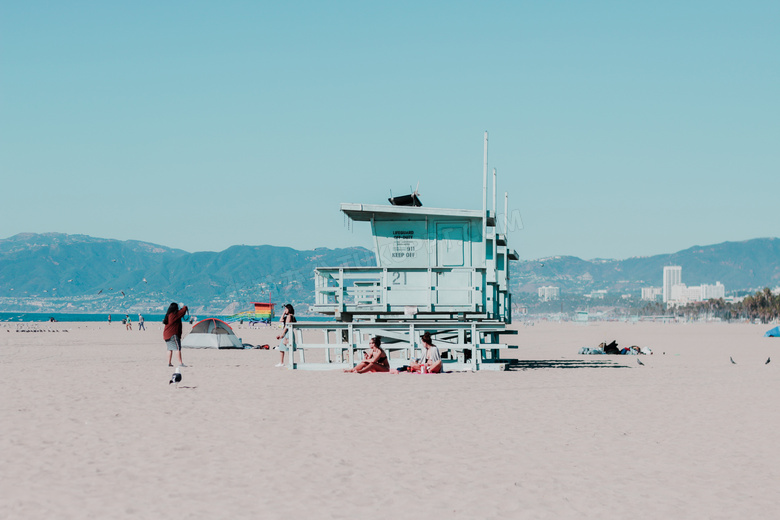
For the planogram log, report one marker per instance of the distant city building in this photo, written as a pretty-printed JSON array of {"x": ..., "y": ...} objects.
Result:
[
  {"x": 549, "y": 292},
  {"x": 598, "y": 295},
  {"x": 683, "y": 295},
  {"x": 713, "y": 292},
  {"x": 651, "y": 293},
  {"x": 677, "y": 293},
  {"x": 672, "y": 276},
  {"x": 521, "y": 310}
]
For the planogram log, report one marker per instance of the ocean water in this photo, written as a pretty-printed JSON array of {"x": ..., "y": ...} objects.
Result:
[
  {"x": 62, "y": 316},
  {"x": 115, "y": 318}
]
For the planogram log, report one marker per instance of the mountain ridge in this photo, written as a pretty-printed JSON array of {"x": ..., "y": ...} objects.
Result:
[
  {"x": 740, "y": 265},
  {"x": 56, "y": 271}
]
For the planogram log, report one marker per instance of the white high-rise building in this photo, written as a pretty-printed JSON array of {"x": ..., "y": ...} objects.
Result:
[
  {"x": 713, "y": 292},
  {"x": 651, "y": 293},
  {"x": 683, "y": 295},
  {"x": 672, "y": 277},
  {"x": 549, "y": 292}
]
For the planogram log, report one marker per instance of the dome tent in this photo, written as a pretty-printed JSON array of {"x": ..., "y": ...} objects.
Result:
[{"x": 211, "y": 333}]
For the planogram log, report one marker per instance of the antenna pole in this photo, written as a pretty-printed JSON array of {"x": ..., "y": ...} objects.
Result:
[
  {"x": 506, "y": 213},
  {"x": 484, "y": 176},
  {"x": 494, "y": 193}
]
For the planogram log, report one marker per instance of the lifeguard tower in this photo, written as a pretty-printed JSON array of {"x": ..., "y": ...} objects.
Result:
[
  {"x": 263, "y": 313},
  {"x": 444, "y": 271}
]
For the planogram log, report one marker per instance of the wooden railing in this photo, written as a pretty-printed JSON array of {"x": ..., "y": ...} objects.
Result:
[{"x": 378, "y": 289}]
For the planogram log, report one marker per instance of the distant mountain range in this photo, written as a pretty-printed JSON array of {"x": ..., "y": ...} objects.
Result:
[
  {"x": 747, "y": 265},
  {"x": 78, "y": 273},
  {"x": 61, "y": 272}
]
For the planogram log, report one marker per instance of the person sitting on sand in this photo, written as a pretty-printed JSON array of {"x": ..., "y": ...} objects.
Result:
[
  {"x": 431, "y": 360},
  {"x": 376, "y": 360}
]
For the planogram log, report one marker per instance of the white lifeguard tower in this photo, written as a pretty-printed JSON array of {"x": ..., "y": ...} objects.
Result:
[{"x": 444, "y": 271}]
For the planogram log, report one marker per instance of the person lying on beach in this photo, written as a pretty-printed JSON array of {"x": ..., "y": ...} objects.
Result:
[
  {"x": 431, "y": 360},
  {"x": 376, "y": 361}
]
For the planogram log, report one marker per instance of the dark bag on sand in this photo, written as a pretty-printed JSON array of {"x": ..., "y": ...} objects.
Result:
[{"x": 611, "y": 348}]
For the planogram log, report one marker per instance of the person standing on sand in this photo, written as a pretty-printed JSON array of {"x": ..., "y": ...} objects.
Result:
[
  {"x": 141, "y": 325},
  {"x": 109, "y": 319},
  {"x": 287, "y": 317},
  {"x": 172, "y": 331},
  {"x": 128, "y": 322}
]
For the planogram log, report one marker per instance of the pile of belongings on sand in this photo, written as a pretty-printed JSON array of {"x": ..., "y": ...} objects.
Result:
[{"x": 612, "y": 348}]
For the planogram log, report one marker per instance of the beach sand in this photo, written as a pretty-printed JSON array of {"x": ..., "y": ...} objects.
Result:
[{"x": 90, "y": 428}]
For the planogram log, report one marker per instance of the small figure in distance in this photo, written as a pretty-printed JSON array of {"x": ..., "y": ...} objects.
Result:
[
  {"x": 431, "y": 360},
  {"x": 109, "y": 319},
  {"x": 128, "y": 322},
  {"x": 376, "y": 359},
  {"x": 141, "y": 325},
  {"x": 172, "y": 331},
  {"x": 288, "y": 316}
]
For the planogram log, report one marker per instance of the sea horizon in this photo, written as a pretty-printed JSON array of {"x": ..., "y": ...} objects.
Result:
[{"x": 34, "y": 317}]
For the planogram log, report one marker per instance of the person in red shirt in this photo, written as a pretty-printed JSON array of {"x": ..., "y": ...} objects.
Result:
[{"x": 172, "y": 331}]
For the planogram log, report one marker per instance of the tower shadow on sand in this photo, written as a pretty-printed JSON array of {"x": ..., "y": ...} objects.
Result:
[{"x": 535, "y": 364}]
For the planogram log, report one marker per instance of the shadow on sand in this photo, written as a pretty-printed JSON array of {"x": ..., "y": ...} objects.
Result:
[{"x": 532, "y": 364}]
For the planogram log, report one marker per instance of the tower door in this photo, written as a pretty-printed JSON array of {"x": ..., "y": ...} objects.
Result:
[{"x": 453, "y": 247}]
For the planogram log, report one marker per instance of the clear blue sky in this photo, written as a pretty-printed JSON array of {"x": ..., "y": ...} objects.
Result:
[{"x": 618, "y": 128}]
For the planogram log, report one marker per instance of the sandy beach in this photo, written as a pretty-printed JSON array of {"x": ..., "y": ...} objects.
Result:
[{"x": 90, "y": 428}]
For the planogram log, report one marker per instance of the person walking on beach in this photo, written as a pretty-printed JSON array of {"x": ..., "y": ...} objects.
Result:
[
  {"x": 128, "y": 322},
  {"x": 141, "y": 325},
  {"x": 172, "y": 331},
  {"x": 287, "y": 317},
  {"x": 109, "y": 319}
]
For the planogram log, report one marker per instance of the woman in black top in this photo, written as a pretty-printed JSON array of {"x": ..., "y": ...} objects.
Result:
[
  {"x": 287, "y": 317},
  {"x": 377, "y": 359}
]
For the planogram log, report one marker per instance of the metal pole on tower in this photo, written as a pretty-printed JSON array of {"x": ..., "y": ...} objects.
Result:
[
  {"x": 484, "y": 178},
  {"x": 494, "y": 193},
  {"x": 506, "y": 213},
  {"x": 484, "y": 191}
]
